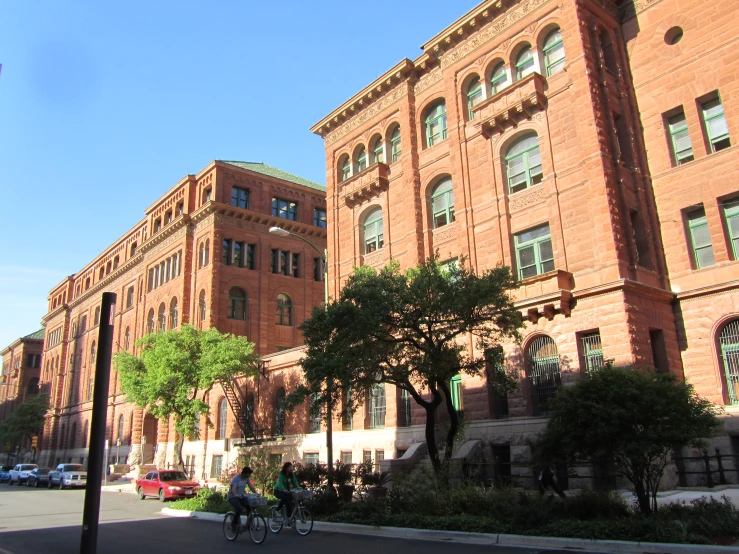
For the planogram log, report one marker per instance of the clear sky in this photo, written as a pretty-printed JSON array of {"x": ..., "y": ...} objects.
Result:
[{"x": 106, "y": 105}]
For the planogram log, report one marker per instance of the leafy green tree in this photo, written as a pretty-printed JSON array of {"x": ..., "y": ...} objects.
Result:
[
  {"x": 177, "y": 369},
  {"x": 631, "y": 419},
  {"x": 415, "y": 330},
  {"x": 25, "y": 422}
]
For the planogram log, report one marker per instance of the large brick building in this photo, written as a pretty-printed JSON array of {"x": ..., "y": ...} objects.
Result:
[
  {"x": 21, "y": 368},
  {"x": 202, "y": 255}
]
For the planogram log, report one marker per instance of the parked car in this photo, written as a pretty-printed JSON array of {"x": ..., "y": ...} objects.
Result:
[
  {"x": 166, "y": 484},
  {"x": 4, "y": 474},
  {"x": 68, "y": 475},
  {"x": 20, "y": 472},
  {"x": 38, "y": 477}
]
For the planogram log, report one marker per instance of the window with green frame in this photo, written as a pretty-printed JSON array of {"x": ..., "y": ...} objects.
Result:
[
  {"x": 284, "y": 315},
  {"x": 554, "y": 53},
  {"x": 361, "y": 163},
  {"x": 474, "y": 96},
  {"x": 436, "y": 124},
  {"x": 682, "y": 148},
  {"x": 525, "y": 62},
  {"x": 395, "y": 149},
  {"x": 700, "y": 239},
  {"x": 523, "y": 164},
  {"x": 731, "y": 215},
  {"x": 374, "y": 237},
  {"x": 378, "y": 151},
  {"x": 716, "y": 127},
  {"x": 498, "y": 78},
  {"x": 455, "y": 388},
  {"x": 534, "y": 254},
  {"x": 442, "y": 203},
  {"x": 346, "y": 169}
]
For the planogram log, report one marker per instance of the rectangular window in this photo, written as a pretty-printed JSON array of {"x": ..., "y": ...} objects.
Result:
[
  {"x": 180, "y": 208},
  {"x": 90, "y": 388},
  {"x": 295, "y": 263},
  {"x": 377, "y": 407},
  {"x": 216, "y": 466},
  {"x": 310, "y": 458},
  {"x": 275, "y": 460},
  {"x": 639, "y": 236},
  {"x": 404, "y": 408},
  {"x": 379, "y": 456},
  {"x": 700, "y": 239},
  {"x": 227, "y": 251},
  {"x": 346, "y": 457},
  {"x": 129, "y": 298},
  {"x": 239, "y": 197},
  {"x": 319, "y": 218},
  {"x": 731, "y": 215},
  {"x": 239, "y": 254},
  {"x": 714, "y": 120},
  {"x": 284, "y": 261},
  {"x": 534, "y": 252},
  {"x": 251, "y": 250},
  {"x": 591, "y": 352},
  {"x": 275, "y": 260},
  {"x": 367, "y": 456},
  {"x": 285, "y": 209},
  {"x": 34, "y": 361},
  {"x": 317, "y": 269},
  {"x": 624, "y": 139},
  {"x": 682, "y": 148},
  {"x": 659, "y": 351}
]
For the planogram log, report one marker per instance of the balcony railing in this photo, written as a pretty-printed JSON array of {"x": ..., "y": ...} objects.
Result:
[
  {"x": 511, "y": 105},
  {"x": 365, "y": 185}
]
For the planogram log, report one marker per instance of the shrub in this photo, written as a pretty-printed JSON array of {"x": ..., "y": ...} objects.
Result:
[{"x": 207, "y": 500}]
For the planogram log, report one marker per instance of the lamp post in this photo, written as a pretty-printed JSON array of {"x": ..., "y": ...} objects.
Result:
[
  {"x": 117, "y": 451},
  {"x": 280, "y": 232}
]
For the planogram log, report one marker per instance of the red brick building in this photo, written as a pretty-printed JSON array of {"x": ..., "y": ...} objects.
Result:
[
  {"x": 21, "y": 368},
  {"x": 555, "y": 137},
  {"x": 202, "y": 255}
]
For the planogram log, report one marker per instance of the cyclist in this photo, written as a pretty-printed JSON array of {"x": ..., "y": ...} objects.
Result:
[
  {"x": 286, "y": 482},
  {"x": 237, "y": 494}
]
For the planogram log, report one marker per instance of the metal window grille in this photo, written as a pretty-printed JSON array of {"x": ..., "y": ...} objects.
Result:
[
  {"x": 729, "y": 341},
  {"x": 544, "y": 373},
  {"x": 215, "y": 467},
  {"x": 404, "y": 415},
  {"x": 592, "y": 352},
  {"x": 377, "y": 407}
]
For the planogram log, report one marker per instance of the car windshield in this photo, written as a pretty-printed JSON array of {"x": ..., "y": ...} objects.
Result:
[
  {"x": 172, "y": 476},
  {"x": 28, "y": 467},
  {"x": 74, "y": 467},
  {"x": 41, "y": 471}
]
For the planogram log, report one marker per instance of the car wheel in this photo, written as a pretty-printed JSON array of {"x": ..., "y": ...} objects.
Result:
[
  {"x": 49, "y": 484},
  {"x": 61, "y": 484},
  {"x": 162, "y": 496},
  {"x": 142, "y": 496}
]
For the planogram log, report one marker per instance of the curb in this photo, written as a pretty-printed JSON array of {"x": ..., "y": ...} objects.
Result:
[{"x": 490, "y": 539}]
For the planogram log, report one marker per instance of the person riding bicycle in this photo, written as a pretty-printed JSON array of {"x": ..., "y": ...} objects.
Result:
[
  {"x": 286, "y": 482},
  {"x": 237, "y": 493}
]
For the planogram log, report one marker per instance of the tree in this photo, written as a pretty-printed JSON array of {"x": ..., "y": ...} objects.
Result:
[
  {"x": 177, "y": 369},
  {"x": 25, "y": 422},
  {"x": 412, "y": 329},
  {"x": 630, "y": 419}
]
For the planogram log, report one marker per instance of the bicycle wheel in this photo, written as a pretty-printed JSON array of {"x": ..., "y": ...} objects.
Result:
[
  {"x": 303, "y": 521},
  {"x": 228, "y": 531},
  {"x": 257, "y": 528},
  {"x": 275, "y": 520}
]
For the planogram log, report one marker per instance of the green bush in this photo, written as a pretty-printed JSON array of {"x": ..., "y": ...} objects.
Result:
[{"x": 207, "y": 500}]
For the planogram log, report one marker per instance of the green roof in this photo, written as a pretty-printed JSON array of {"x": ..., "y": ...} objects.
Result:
[
  {"x": 37, "y": 335},
  {"x": 270, "y": 171}
]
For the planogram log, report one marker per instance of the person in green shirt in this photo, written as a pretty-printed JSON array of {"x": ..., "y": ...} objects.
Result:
[{"x": 286, "y": 482}]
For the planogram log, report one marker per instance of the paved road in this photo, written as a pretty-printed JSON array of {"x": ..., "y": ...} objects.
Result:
[{"x": 43, "y": 521}]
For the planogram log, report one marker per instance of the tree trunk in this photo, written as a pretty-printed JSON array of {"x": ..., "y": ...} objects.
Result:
[
  {"x": 453, "y": 423},
  {"x": 431, "y": 437},
  {"x": 642, "y": 497},
  {"x": 177, "y": 459}
]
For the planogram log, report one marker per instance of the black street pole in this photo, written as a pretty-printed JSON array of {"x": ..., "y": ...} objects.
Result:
[{"x": 91, "y": 510}]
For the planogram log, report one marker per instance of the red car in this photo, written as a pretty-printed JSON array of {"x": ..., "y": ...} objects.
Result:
[{"x": 166, "y": 484}]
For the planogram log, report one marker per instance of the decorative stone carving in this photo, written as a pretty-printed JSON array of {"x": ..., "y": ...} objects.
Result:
[
  {"x": 375, "y": 259},
  {"x": 444, "y": 234},
  {"x": 630, "y": 9},
  {"x": 431, "y": 78},
  {"x": 527, "y": 198}
]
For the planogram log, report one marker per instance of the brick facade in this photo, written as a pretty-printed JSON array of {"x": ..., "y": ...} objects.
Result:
[{"x": 21, "y": 368}]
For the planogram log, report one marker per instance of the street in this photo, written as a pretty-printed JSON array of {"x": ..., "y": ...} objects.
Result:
[{"x": 49, "y": 521}]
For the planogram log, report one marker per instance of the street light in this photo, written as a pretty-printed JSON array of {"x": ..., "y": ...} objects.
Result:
[{"x": 280, "y": 232}]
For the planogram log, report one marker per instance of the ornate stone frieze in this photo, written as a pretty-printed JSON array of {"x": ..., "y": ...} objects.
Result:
[
  {"x": 527, "y": 198},
  {"x": 374, "y": 259},
  {"x": 444, "y": 234},
  {"x": 431, "y": 78}
]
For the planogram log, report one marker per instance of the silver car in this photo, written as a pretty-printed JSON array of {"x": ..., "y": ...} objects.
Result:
[
  {"x": 19, "y": 474},
  {"x": 68, "y": 475}
]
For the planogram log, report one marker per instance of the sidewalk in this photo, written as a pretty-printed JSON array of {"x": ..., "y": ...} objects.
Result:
[{"x": 121, "y": 485}]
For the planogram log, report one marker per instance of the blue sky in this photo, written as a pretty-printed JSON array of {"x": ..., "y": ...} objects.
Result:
[{"x": 104, "y": 106}]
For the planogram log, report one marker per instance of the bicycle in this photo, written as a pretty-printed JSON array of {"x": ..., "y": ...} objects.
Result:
[
  {"x": 255, "y": 523},
  {"x": 300, "y": 518}
]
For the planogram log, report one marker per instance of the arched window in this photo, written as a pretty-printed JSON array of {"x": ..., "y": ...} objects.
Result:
[
  {"x": 435, "y": 124},
  {"x": 150, "y": 322},
  {"x": 609, "y": 53},
  {"x": 201, "y": 255},
  {"x": 173, "y": 314},
  {"x": 361, "y": 161},
  {"x": 524, "y": 62},
  {"x": 129, "y": 297},
  {"x": 345, "y": 168},
  {"x": 96, "y": 319},
  {"x": 222, "y": 419},
  {"x": 554, "y": 53},
  {"x": 206, "y": 254},
  {"x": 284, "y": 310},
  {"x": 729, "y": 344},
  {"x": 127, "y": 339},
  {"x": 279, "y": 424},
  {"x": 374, "y": 236},
  {"x": 395, "y": 149},
  {"x": 32, "y": 388},
  {"x": 237, "y": 303},
  {"x": 523, "y": 164},
  {"x": 442, "y": 203},
  {"x": 250, "y": 414},
  {"x": 543, "y": 373},
  {"x": 162, "y": 317},
  {"x": 475, "y": 94},
  {"x": 378, "y": 151},
  {"x": 116, "y": 261},
  {"x": 93, "y": 353},
  {"x": 121, "y": 422},
  {"x": 201, "y": 308},
  {"x": 133, "y": 249}
]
